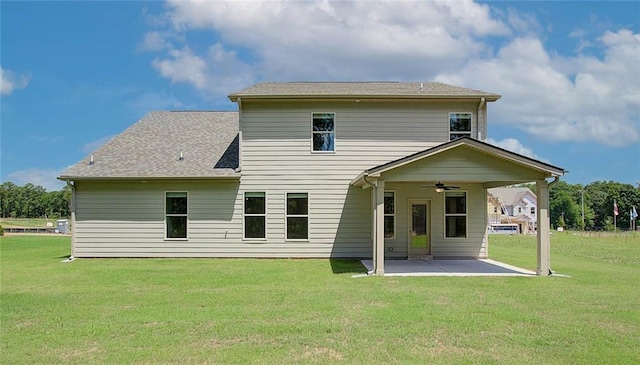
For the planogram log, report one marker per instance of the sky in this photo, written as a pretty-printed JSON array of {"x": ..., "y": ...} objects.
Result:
[{"x": 75, "y": 74}]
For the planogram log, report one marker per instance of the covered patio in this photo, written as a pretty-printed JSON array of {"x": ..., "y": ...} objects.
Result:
[
  {"x": 479, "y": 267},
  {"x": 455, "y": 223}
]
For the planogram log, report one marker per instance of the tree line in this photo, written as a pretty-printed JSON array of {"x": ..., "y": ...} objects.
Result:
[
  {"x": 591, "y": 206},
  {"x": 33, "y": 201},
  {"x": 573, "y": 206}
]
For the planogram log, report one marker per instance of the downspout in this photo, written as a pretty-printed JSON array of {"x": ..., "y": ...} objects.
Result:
[
  {"x": 239, "y": 169},
  {"x": 73, "y": 220},
  {"x": 555, "y": 180},
  {"x": 479, "y": 133}
]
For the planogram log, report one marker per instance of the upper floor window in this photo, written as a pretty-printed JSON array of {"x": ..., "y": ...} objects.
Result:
[
  {"x": 459, "y": 125},
  {"x": 323, "y": 132},
  {"x": 533, "y": 210}
]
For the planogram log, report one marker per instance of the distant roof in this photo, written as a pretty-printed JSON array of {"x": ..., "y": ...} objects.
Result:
[
  {"x": 151, "y": 149},
  {"x": 407, "y": 90},
  {"x": 510, "y": 196}
]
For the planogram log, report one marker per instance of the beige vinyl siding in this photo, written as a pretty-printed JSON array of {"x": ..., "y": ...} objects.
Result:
[
  {"x": 471, "y": 246},
  {"x": 126, "y": 219},
  {"x": 277, "y": 158}
]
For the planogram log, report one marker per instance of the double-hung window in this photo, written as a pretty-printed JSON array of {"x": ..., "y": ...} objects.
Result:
[
  {"x": 459, "y": 125},
  {"x": 255, "y": 218},
  {"x": 323, "y": 132},
  {"x": 297, "y": 216},
  {"x": 455, "y": 214},
  {"x": 389, "y": 214},
  {"x": 176, "y": 215}
]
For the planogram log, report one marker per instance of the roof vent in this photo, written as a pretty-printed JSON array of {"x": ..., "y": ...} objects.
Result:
[
  {"x": 421, "y": 86},
  {"x": 181, "y": 158},
  {"x": 91, "y": 161}
]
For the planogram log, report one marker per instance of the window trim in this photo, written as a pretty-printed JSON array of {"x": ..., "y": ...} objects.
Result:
[
  {"x": 286, "y": 217},
  {"x": 470, "y": 133},
  {"x": 334, "y": 132},
  {"x": 465, "y": 215},
  {"x": 186, "y": 238},
  {"x": 244, "y": 215},
  {"x": 395, "y": 221}
]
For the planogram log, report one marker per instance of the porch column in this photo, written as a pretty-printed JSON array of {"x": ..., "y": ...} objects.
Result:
[
  {"x": 544, "y": 238},
  {"x": 378, "y": 237}
]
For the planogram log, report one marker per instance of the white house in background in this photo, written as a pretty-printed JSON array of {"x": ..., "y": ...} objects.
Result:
[
  {"x": 512, "y": 205},
  {"x": 337, "y": 169}
]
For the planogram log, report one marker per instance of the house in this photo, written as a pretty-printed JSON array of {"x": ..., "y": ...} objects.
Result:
[
  {"x": 304, "y": 169},
  {"x": 513, "y": 205}
]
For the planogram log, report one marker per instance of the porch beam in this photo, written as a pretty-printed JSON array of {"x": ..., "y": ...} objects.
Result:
[
  {"x": 544, "y": 230},
  {"x": 378, "y": 238}
]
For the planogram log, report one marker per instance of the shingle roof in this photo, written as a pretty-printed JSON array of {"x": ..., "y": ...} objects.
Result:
[
  {"x": 510, "y": 196},
  {"x": 151, "y": 148},
  {"x": 359, "y": 89}
]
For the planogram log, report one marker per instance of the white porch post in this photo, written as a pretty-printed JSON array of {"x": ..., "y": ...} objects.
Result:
[
  {"x": 544, "y": 230},
  {"x": 378, "y": 237}
]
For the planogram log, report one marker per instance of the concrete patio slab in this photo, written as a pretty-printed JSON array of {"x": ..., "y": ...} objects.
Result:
[{"x": 480, "y": 267}]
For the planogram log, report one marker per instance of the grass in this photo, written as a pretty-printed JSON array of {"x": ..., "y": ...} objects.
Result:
[
  {"x": 182, "y": 311},
  {"x": 26, "y": 222}
]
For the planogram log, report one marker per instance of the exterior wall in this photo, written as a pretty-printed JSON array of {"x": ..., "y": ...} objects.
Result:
[
  {"x": 473, "y": 245},
  {"x": 126, "y": 219}
]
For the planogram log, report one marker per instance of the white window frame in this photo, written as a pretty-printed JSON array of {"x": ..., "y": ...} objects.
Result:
[
  {"x": 470, "y": 133},
  {"x": 244, "y": 215},
  {"x": 392, "y": 215},
  {"x": 186, "y": 238},
  {"x": 532, "y": 211},
  {"x": 324, "y": 132},
  {"x": 287, "y": 216},
  {"x": 465, "y": 215}
]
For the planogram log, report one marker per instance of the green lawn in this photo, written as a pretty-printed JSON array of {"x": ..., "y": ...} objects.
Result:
[
  {"x": 26, "y": 222},
  {"x": 199, "y": 311}
]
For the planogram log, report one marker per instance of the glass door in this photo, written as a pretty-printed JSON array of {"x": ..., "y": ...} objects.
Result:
[{"x": 419, "y": 228}]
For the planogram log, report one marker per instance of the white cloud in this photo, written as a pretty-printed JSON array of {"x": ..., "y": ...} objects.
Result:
[
  {"x": 94, "y": 145},
  {"x": 513, "y": 145},
  {"x": 324, "y": 40},
  {"x": 558, "y": 98},
  {"x": 554, "y": 97},
  {"x": 10, "y": 81},
  {"x": 47, "y": 178}
]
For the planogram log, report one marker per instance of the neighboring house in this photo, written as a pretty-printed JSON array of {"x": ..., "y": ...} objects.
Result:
[
  {"x": 303, "y": 170},
  {"x": 511, "y": 205}
]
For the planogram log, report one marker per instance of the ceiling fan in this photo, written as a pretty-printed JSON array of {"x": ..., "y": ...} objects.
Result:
[{"x": 440, "y": 187}]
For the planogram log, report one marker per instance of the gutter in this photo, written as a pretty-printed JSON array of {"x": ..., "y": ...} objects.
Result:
[{"x": 482, "y": 103}]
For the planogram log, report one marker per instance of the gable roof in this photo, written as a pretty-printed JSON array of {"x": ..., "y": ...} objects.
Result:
[
  {"x": 511, "y": 196},
  {"x": 512, "y": 157},
  {"x": 314, "y": 90},
  {"x": 151, "y": 149}
]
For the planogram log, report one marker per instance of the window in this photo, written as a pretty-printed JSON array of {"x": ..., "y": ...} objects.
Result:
[
  {"x": 519, "y": 210},
  {"x": 255, "y": 219},
  {"x": 176, "y": 215},
  {"x": 323, "y": 132},
  {"x": 297, "y": 216},
  {"x": 533, "y": 210},
  {"x": 455, "y": 214},
  {"x": 459, "y": 125},
  {"x": 389, "y": 214}
]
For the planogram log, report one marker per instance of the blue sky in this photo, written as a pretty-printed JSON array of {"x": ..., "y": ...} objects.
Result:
[{"x": 74, "y": 74}]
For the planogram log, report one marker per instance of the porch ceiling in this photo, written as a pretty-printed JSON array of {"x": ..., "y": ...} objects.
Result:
[{"x": 463, "y": 160}]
